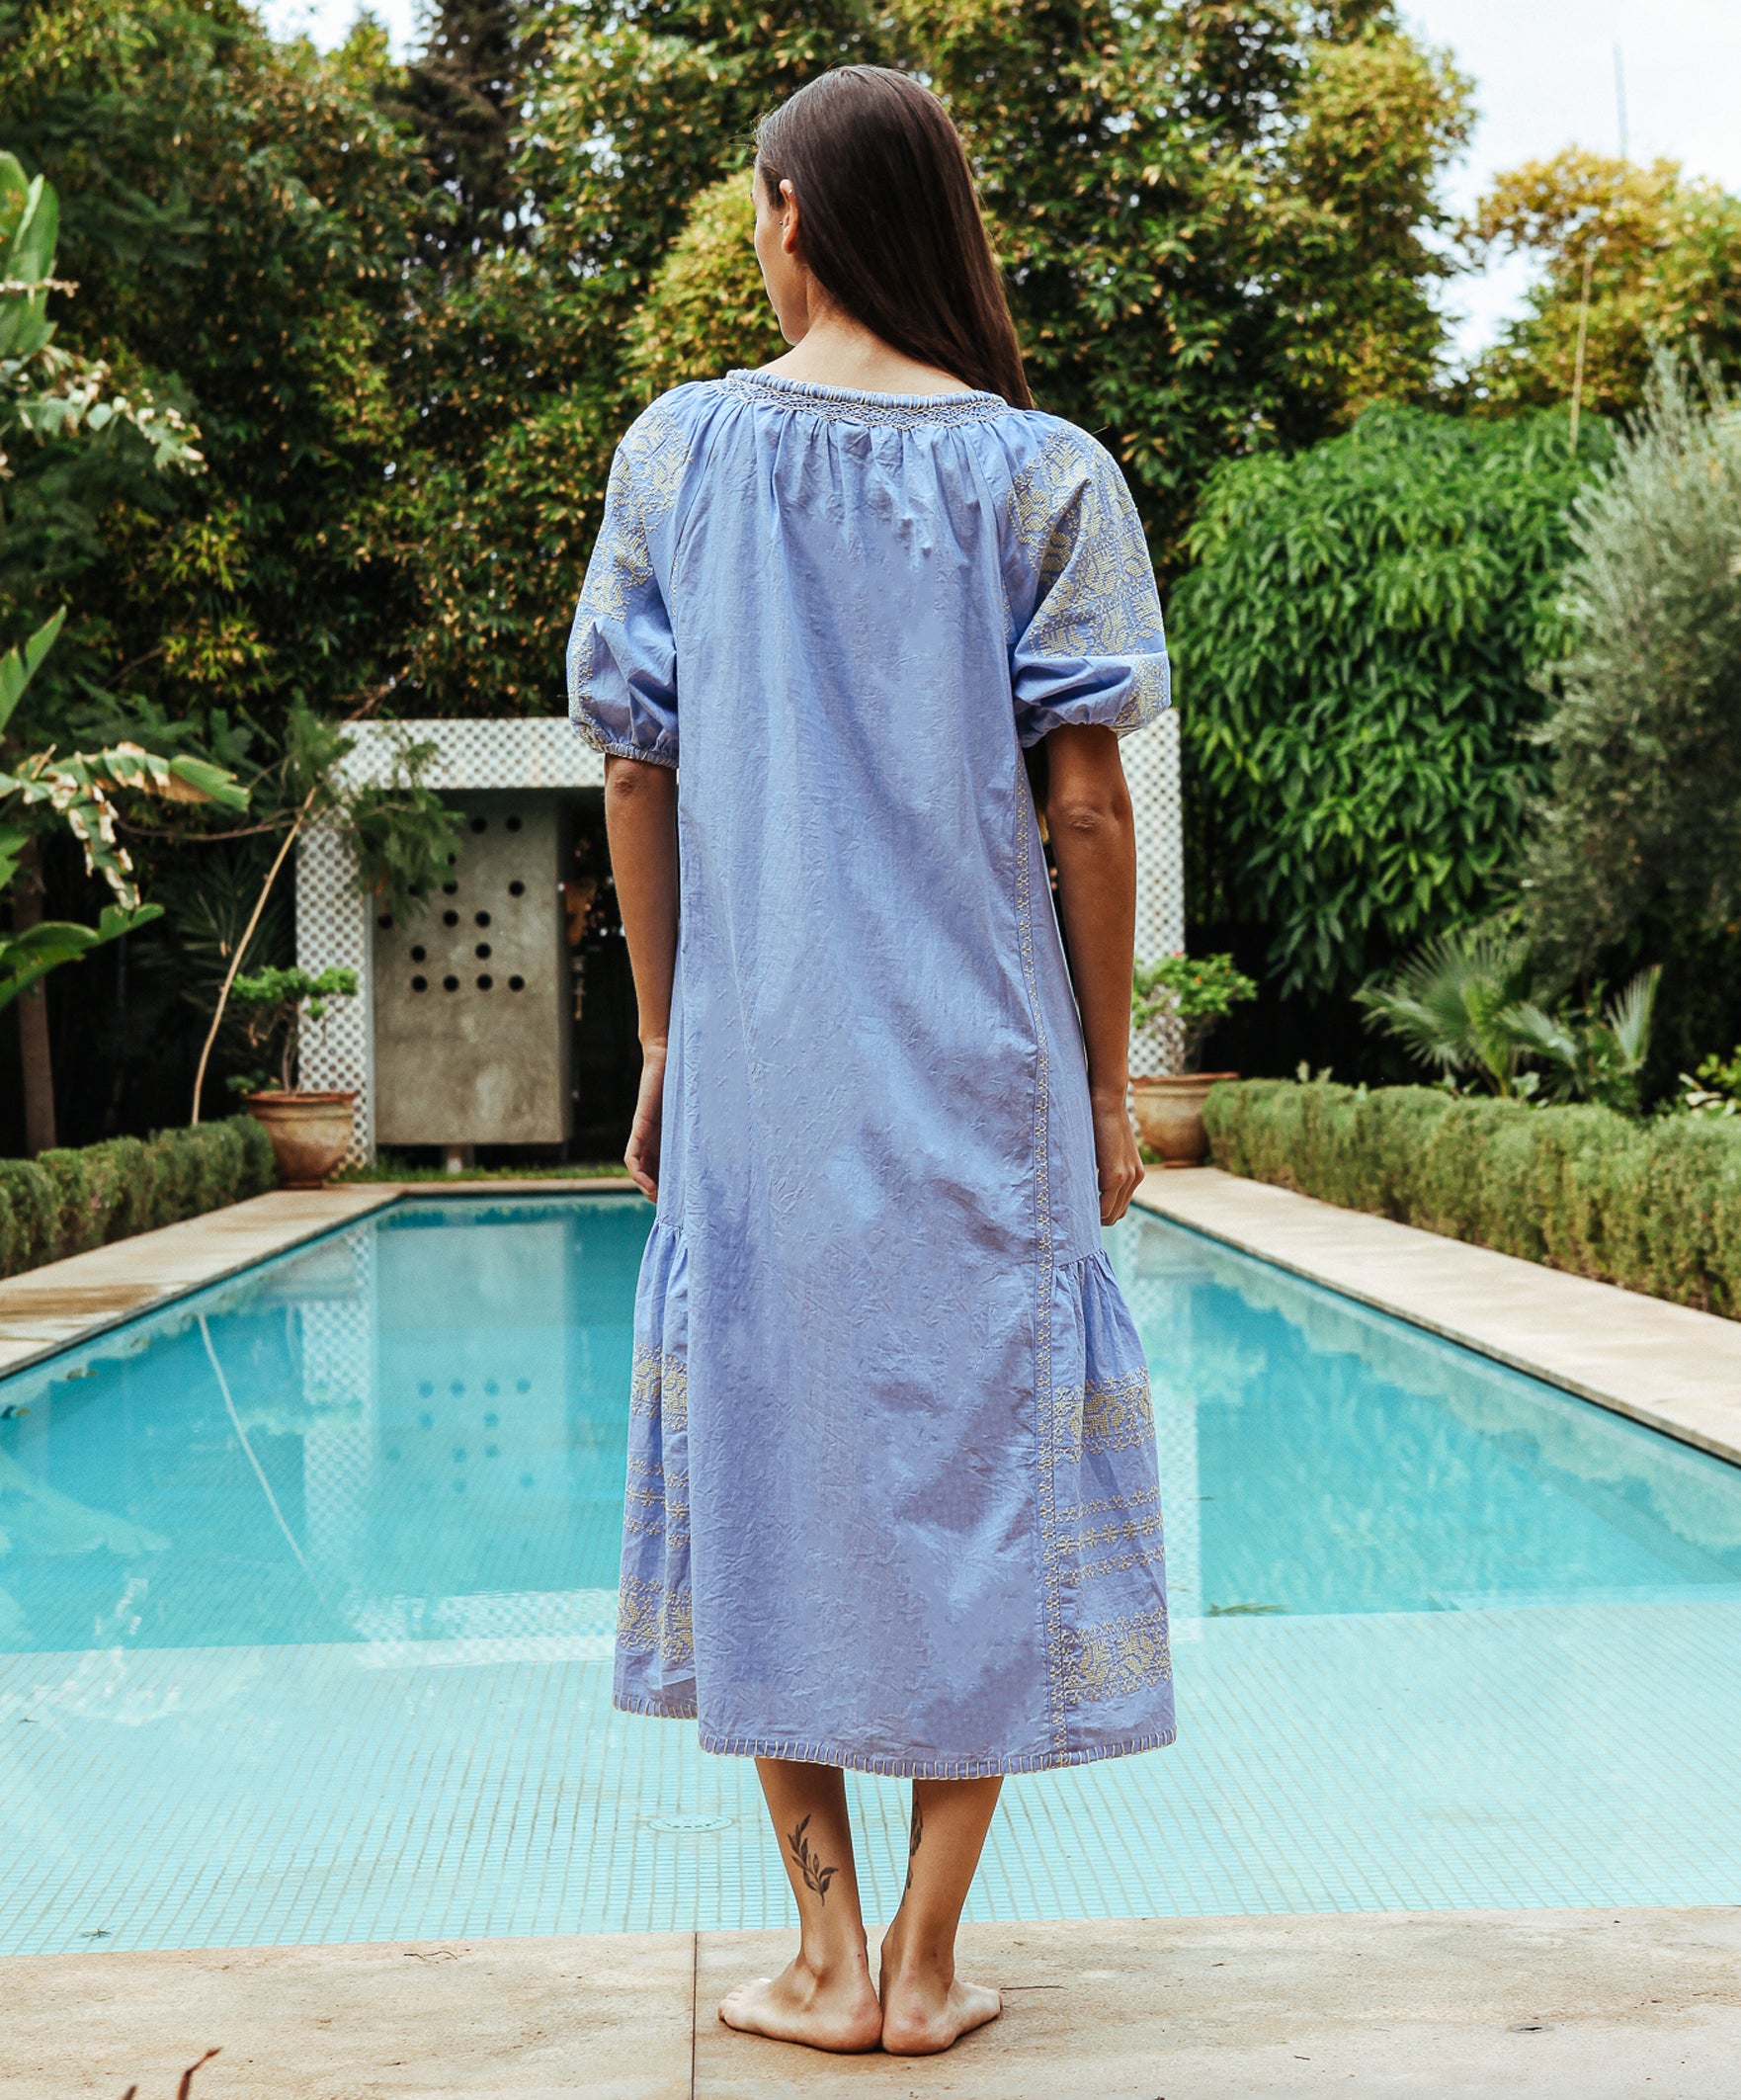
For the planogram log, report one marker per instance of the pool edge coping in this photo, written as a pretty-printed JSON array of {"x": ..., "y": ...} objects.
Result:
[
  {"x": 233, "y": 1250},
  {"x": 1465, "y": 1271}
]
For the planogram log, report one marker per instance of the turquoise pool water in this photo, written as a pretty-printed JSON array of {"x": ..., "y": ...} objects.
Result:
[{"x": 306, "y": 1599}]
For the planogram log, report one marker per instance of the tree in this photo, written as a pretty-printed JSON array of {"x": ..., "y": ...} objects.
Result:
[
  {"x": 1661, "y": 249},
  {"x": 461, "y": 96},
  {"x": 240, "y": 218},
  {"x": 83, "y": 440},
  {"x": 1354, "y": 649},
  {"x": 1634, "y": 846},
  {"x": 1213, "y": 216},
  {"x": 1212, "y": 219}
]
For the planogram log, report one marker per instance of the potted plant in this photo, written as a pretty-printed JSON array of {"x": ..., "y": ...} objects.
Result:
[
  {"x": 1191, "y": 994},
  {"x": 310, "y": 1132}
]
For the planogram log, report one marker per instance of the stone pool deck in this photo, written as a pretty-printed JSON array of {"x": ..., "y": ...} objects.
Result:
[
  {"x": 1553, "y": 2004},
  {"x": 1677, "y": 1370}
]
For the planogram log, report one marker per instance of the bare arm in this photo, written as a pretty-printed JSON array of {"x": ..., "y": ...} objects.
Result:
[
  {"x": 1092, "y": 833},
  {"x": 640, "y": 822}
]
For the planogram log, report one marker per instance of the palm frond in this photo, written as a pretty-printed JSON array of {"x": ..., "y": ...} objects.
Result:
[{"x": 1629, "y": 1014}]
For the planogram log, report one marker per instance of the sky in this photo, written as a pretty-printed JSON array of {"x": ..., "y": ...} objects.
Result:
[{"x": 1544, "y": 79}]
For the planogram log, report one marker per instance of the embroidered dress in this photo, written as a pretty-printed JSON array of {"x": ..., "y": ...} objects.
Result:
[{"x": 892, "y": 1499}]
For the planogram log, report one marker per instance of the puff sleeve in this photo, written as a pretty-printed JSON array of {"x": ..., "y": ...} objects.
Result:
[
  {"x": 621, "y": 650},
  {"x": 1092, "y": 648}
]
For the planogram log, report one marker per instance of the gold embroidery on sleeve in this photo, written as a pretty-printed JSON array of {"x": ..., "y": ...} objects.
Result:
[
  {"x": 646, "y": 476},
  {"x": 1074, "y": 519}
]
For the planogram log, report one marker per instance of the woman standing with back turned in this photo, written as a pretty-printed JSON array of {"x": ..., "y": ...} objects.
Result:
[{"x": 892, "y": 1501}]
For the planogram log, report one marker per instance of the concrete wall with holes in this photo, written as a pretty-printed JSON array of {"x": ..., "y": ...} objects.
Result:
[
  {"x": 465, "y": 1059},
  {"x": 471, "y": 993}
]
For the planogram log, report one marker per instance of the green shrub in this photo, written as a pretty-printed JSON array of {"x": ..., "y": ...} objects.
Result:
[
  {"x": 1655, "y": 1207},
  {"x": 30, "y": 1200},
  {"x": 67, "y": 1201}
]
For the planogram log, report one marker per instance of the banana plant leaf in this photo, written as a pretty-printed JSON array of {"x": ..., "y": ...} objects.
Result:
[{"x": 26, "y": 957}]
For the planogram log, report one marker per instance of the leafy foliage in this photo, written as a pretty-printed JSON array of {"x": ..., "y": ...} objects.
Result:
[
  {"x": 1354, "y": 649},
  {"x": 68, "y": 1201},
  {"x": 238, "y": 215},
  {"x": 1638, "y": 834},
  {"x": 79, "y": 792},
  {"x": 1661, "y": 251},
  {"x": 1192, "y": 992},
  {"x": 277, "y": 1006},
  {"x": 1465, "y": 1004},
  {"x": 1453, "y": 1006},
  {"x": 1714, "y": 1089},
  {"x": 1653, "y": 1205}
]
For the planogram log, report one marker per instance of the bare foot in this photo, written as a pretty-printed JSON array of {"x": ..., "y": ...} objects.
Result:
[
  {"x": 838, "y": 2011},
  {"x": 924, "y": 2013}
]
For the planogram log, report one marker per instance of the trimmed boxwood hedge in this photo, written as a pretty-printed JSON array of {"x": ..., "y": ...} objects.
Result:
[
  {"x": 66, "y": 1202},
  {"x": 1655, "y": 1207}
]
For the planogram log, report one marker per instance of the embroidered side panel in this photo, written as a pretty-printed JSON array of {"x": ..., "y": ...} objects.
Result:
[
  {"x": 653, "y": 1609},
  {"x": 1118, "y": 1414},
  {"x": 1108, "y": 1423},
  {"x": 659, "y": 1390},
  {"x": 1074, "y": 519},
  {"x": 1121, "y": 1656},
  {"x": 653, "y": 1620}
]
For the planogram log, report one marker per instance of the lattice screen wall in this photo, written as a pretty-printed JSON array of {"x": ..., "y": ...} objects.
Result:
[
  {"x": 332, "y": 917},
  {"x": 1151, "y": 766}
]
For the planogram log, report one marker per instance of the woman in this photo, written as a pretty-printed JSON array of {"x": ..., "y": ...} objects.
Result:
[{"x": 892, "y": 1501}]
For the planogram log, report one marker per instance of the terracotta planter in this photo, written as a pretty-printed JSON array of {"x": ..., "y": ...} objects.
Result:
[
  {"x": 310, "y": 1132},
  {"x": 1169, "y": 1116}
]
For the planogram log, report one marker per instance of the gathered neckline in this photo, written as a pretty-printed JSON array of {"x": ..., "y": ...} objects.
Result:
[{"x": 853, "y": 406}]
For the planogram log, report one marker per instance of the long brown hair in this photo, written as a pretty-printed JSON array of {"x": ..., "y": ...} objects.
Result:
[{"x": 889, "y": 223}]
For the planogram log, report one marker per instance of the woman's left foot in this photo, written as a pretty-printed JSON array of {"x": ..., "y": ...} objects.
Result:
[{"x": 921, "y": 2017}]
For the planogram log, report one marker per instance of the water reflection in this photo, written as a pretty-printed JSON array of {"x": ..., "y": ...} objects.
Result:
[
  {"x": 1340, "y": 1460},
  {"x": 411, "y": 1430}
]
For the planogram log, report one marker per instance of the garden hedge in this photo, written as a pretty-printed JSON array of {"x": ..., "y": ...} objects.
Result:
[
  {"x": 1655, "y": 1207},
  {"x": 66, "y": 1202}
]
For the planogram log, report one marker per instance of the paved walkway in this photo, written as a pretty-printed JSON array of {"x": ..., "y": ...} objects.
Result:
[
  {"x": 1553, "y": 2004},
  {"x": 1678, "y": 1370}
]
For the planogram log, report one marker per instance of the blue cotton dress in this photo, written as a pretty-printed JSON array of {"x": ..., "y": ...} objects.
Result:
[{"x": 892, "y": 1501}]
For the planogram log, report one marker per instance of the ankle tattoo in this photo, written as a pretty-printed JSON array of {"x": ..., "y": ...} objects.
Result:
[
  {"x": 913, "y": 1837},
  {"x": 810, "y": 1864}
]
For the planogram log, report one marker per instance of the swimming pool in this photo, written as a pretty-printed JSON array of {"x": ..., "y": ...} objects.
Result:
[{"x": 305, "y": 1609}]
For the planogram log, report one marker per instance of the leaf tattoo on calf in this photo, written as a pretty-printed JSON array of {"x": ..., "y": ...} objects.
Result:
[
  {"x": 816, "y": 1876},
  {"x": 918, "y": 1831}
]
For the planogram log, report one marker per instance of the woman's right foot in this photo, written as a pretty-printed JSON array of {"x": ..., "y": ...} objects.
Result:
[{"x": 838, "y": 2012}]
